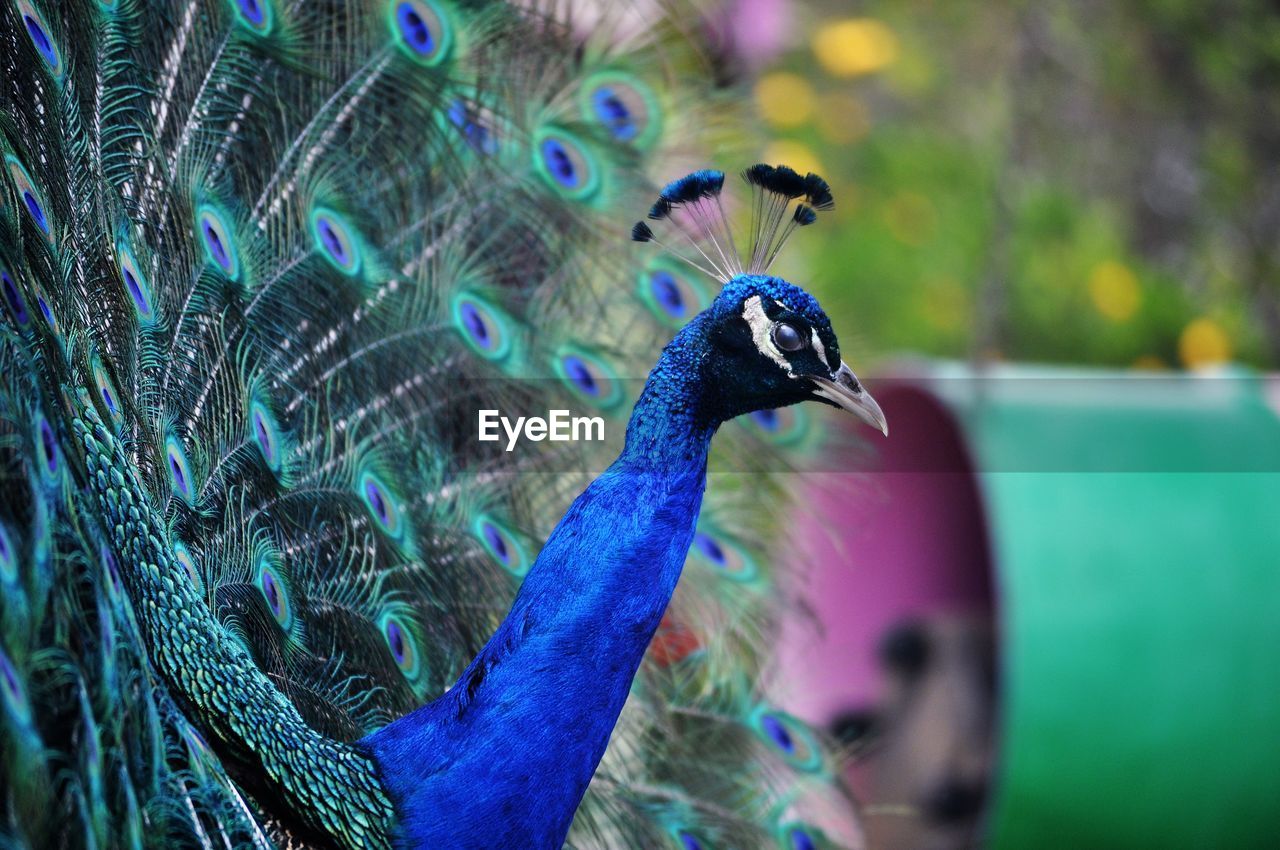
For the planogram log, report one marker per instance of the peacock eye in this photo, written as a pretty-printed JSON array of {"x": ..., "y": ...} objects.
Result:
[
  {"x": 39, "y": 33},
  {"x": 423, "y": 31},
  {"x": 787, "y": 337},
  {"x": 14, "y": 298},
  {"x": 31, "y": 197},
  {"x": 801, "y": 840},
  {"x": 789, "y": 739},
  {"x": 254, "y": 14},
  {"x": 183, "y": 556}
]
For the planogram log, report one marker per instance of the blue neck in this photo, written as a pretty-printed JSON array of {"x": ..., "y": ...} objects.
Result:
[
  {"x": 503, "y": 758},
  {"x": 670, "y": 427}
]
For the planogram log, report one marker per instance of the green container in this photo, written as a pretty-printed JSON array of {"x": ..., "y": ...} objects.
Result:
[{"x": 1135, "y": 529}]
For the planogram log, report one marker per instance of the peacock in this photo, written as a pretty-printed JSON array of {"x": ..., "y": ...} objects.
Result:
[{"x": 263, "y": 262}]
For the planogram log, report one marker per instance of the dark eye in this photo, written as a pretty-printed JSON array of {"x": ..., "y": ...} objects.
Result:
[{"x": 787, "y": 337}]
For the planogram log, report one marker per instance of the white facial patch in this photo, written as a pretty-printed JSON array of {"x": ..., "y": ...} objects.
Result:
[
  {"x": 762, "y": 335},
  {"x": 762, "y": 332},
  {"x": 820, "y": 349}
]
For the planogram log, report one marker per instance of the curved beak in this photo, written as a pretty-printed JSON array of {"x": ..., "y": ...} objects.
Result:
[{"x": 843, "y": 390}]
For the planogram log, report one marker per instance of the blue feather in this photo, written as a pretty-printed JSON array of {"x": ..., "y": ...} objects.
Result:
[
  {"x": 542, "y": 697},
  {"x": 262, "y": 262}
]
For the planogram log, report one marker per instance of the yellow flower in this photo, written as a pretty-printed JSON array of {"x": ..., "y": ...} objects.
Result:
[
  {"x": 855, "y": 46},
  {"x": 1114, "y": 290},
  {"x": 785, "y": 99},
  {"x": 795, "y": 154},
  {"x": 1203, "y": 343}
]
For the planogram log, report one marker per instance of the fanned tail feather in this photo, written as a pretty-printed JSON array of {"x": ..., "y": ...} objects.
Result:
[{"x": 263, "y": 262}]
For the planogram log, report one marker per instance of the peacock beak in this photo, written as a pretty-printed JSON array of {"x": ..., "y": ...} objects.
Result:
[{"x": 843, "y": 390}]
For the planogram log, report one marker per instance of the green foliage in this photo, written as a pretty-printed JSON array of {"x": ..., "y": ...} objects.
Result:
[{"x": 1009, "y": 157}]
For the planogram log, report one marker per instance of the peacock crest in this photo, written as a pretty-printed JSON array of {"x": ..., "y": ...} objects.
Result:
[{"x": 690, "y": 214}]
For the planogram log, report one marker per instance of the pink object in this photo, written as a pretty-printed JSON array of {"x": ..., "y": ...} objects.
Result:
[
  {"x": 760, "y": 29},
  {"x": 906, "y": 538}
]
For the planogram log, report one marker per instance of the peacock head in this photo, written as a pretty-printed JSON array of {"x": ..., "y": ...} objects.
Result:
[
  {"x": 771, "y": 345},
  {"x": 768, "y": 343}
]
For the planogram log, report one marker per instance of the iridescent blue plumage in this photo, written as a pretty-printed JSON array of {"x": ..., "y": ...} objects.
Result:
[
  {"x": 540, "y": 700},
  {"x": 263, "y": 262}
]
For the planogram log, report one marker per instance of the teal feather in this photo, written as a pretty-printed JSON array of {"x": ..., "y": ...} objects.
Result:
[{"x": 263, "y": 262}]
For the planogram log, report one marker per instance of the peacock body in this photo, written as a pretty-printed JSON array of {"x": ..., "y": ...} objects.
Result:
[{"x": 261, "y": 584}]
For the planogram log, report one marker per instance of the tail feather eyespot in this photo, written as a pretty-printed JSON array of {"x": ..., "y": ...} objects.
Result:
[
  {"x": 689, "y": 841},
  {"x": 502, "y": 544},
  {"x": 795, "y": 836},
  {"x": 41, "y": 37},
  {"x": 589, "y": 377},
  {"x": 12, "y": 691},
  {"x": 725, "y": 555},
  {"x": 402, "y": 645},
  {"x": 257, "y": 16},
  {"x": 478, "y": 126},
  {"x": 218, "y": 241},
  {"x": 672, "y": 295},
  {"x": 624, "y": 105},
  {"x": 336, "y": 241},
  {"x": 42, "y": 303},
  {"x": 789, "y": 738},
  {"x": 485, "y": 328},
  {"x": 783, "y": 426},
  {"x": 135, "y": 283},
  {"x": 13, "y": 298},
  {"x": 566, "y": 164},
  {"x": 266, "y": 434},
  {"x": 183, "y": 556},
  {"x": 106, "y": 393},
  {"x": 275, "y": 592},
  {"x": 47, "y": 450},
  {"x": 33, "y": 200},
  {"x": 179, "y": 469},
  {"x": 422, "y": 30},
  {"x": 382, "y": 504}
]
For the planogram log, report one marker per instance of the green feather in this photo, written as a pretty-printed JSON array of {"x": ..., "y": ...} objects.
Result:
[{"x": 268, "y": 260}]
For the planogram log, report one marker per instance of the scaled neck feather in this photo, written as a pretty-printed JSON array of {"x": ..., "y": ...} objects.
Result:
[
  {"x": 504, "y": 757},
  {"x": 674, "y": 420}
]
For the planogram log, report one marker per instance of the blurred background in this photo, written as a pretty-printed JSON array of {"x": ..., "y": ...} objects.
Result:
[
  {"x": 1047, "y": 604},
  {"x": 1078, "y": 181}
]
